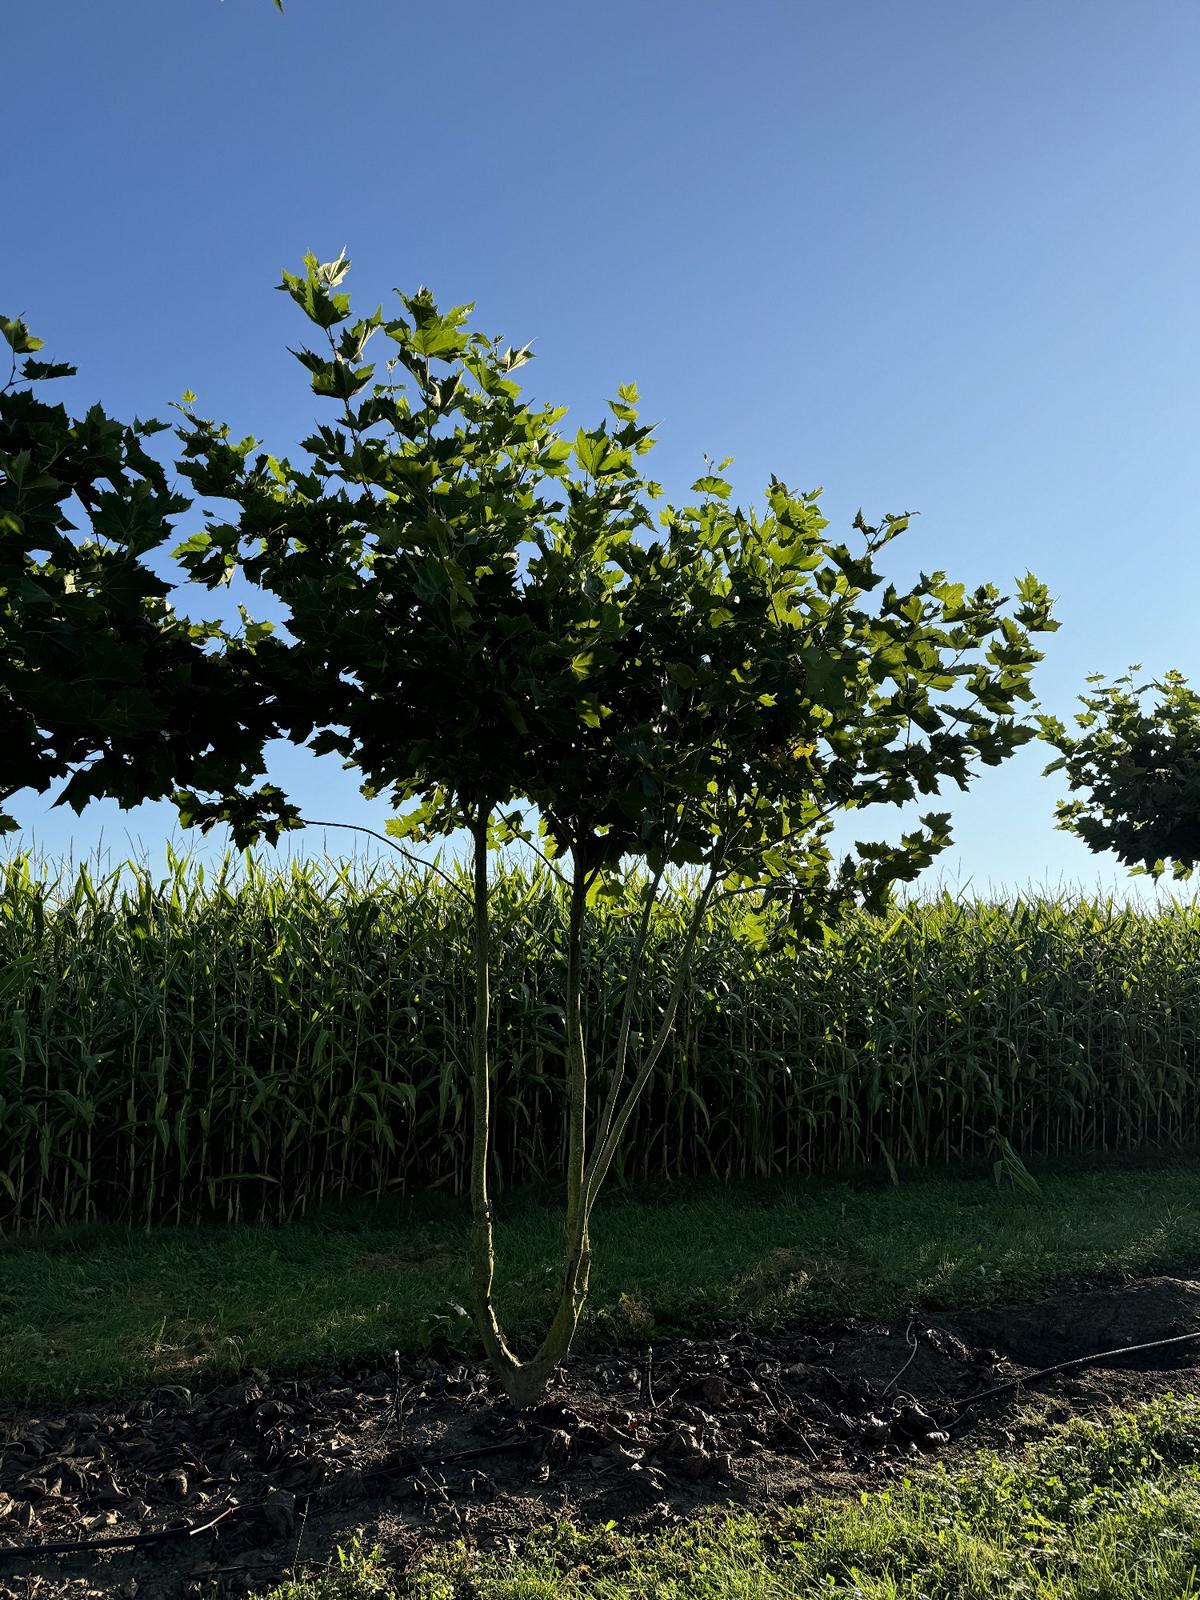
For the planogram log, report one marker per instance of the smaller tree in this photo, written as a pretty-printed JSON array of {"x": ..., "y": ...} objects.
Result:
[
  {"x": 1133, "y": 767},
  {"x": 103, "y": 689}
]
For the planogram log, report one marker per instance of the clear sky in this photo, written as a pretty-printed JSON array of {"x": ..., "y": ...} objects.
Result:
[{"x": 937, "y": 256}]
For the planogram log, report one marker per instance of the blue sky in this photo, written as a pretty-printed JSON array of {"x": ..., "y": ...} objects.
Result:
[{"x": 938, "y": 257}]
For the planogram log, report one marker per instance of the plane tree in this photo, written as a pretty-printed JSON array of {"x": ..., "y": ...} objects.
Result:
[
  {"x": 504, "y": 630},
  {"x": 1132, "y": 763}
]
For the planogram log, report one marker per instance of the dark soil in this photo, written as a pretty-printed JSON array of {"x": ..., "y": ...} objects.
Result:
[{"x": 421, "y": 1452}]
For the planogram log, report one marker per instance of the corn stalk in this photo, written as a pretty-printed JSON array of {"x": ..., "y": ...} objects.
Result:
[{"x": 247, "y": 1041}]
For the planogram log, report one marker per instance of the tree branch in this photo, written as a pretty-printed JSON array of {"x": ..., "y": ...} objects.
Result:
[{"x": 428, "y": 866}]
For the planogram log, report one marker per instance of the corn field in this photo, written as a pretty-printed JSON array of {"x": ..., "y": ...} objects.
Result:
[{"x": 252, "y": 1041}]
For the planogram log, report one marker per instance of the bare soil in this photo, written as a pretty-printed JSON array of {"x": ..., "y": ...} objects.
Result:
[{"x": 420, "y": 1452}]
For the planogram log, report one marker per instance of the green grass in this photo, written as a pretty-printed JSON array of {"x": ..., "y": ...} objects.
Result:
[
  {"x": 98, "y": 1311},
  {"x": 1091, "y": 1512}
]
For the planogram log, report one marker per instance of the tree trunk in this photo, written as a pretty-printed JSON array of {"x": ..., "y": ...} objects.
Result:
[{"x": 525, "y": 1381}]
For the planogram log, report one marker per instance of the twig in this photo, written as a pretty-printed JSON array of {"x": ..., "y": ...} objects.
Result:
[
  {"x": 417, "y": 861},
  {"x": 773, "y": 1402},
  {"x": 648, "y": 1380},
  {"x": 300, "y": 1538},
  {"x": 909, "y": 1340},
  {"x": 396, "y": 1409}
]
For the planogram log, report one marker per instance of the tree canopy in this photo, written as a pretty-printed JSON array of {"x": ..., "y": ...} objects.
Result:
[
  {"x": 482, "y": 612},
  {"x": 502, "y": 628},
  {"x": 1132, "y": 762},
  {"x": 104, "y": 689}
]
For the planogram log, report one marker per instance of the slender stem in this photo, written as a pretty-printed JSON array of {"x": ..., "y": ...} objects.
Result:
[
  {"x": 637, "y": 961},
  {"x": 576, "y": 1058},
  {"x": 602, "y": 1158},
  {"x": 483, "y": 1223}
]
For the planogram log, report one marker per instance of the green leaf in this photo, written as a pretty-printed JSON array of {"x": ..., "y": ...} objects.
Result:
[
  {"x": 18, "y": 336},
  {"x": 590, "y": 450},
  {"x": 712, "y": 486},
  {"x": 36, "y": 371}
]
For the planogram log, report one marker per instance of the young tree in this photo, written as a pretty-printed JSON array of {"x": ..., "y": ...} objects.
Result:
[
  {"x": 490, "y": 624},
  {"x": 103, "y": 689},
  {"x": 1133, "y": 765}
]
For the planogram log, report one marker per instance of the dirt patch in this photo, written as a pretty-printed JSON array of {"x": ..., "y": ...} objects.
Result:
[
  {"x": 277, "y": 1472},
  {"x": 1068, "y": 1325}
]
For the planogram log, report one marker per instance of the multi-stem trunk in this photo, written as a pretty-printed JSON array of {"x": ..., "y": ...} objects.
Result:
[{"x": 525, "y": 1380}]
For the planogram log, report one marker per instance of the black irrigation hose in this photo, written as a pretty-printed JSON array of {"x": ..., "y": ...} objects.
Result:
[
  {"x": 1031, "y": 1378},
  {"x": 136, "y": 1541},
  {"x": 130, "y": 1541}
]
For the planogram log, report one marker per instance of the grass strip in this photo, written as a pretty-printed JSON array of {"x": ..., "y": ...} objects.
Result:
[{"x": 96, "y": 1312}]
